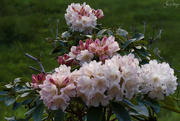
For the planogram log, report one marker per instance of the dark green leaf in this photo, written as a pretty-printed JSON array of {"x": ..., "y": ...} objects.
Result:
[
  {"x": 127, "y": 43},
  {"x": 4, "y": 93},
  {"x": 24, "y": 79},
  {"x": 30, "y": 112},
  {"x": 3, "y": 98},
  {"x": 27, "y": 101},
  {"x": 38, "y": 112},
  {"x": 101, "y": 32},
  {"x": 16, "y": 105},
  {"x": 128, "y": 102},
  {"x": 95, "y": 114},
  {"x": 141, "y": 109},
  {"x": 153, "y": 103},
  {"x": 138, "y": 36},
  {"x": 51, "y": 115},
  {"x": 56, "y": 50},
  {"x": 21, "y": 99},
  {"x": 59, "y": 115},
  {"x": 9, "y": 101},
  {"x": 120, "y": 112},
  {"x": 171, "y": 108}
]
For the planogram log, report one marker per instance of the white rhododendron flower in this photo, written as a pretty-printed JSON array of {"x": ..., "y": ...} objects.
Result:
[
  {"x": 158, "y": 80},
  {"x": 57, "y": 89},
  {"x": 82, "y": 18},
  {"x": 85, "y": 56}
]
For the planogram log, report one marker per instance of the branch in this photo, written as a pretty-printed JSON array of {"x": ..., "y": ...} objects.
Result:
[
  {"x": 51, "y": 32},
  {"x": 144, "y": 27},
  {"x": 39, "y": 63},
  {"x": 57, "y": 28}
]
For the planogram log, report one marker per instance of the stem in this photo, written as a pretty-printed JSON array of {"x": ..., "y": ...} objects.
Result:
[
  {"x": 109, "y": 113},
  {"x": 114, "y": 119},
  {"x": 39, "y": 63}
]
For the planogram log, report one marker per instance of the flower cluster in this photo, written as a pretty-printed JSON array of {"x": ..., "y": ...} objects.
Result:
[
  {"x": 82, "y": 18},
  {"x": 103, "y": 49},
  {"x": 158, "y": 80},
  {"x": 57, "y": 89},
  {"x": 98, "y": 83}
]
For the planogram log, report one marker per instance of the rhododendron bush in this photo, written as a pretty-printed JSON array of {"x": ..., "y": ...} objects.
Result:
[{"x": 103, "y": 75}]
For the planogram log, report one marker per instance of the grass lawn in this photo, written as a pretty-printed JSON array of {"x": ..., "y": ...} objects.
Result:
[{"x": 24, "y": 27}]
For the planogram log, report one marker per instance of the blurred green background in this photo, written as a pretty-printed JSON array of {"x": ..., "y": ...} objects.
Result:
[{"x": 24, "y": 26}]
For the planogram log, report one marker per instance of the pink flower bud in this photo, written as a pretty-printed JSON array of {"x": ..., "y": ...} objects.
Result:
[
  {"x": 98, "y": 43},
  {"x": 81, "y": 45},
  {"x": 104, "y": 40},
  {"x": 34, "y": 79},
  {"x": 105, "y": 48}
]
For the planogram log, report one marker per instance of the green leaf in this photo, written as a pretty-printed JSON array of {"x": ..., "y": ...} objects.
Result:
[
  {"x": 4, "y": 93},
  {"x": 127, "y": 43},
  {"x": 16, "y": 105},
  {"x": 51, "y": 115},
  {"x": 16, "y": 80},
  {"x": 122, "y": 32},
  {"x": 138, "y": 36},
  {"x": 110, "y": 33},
  {"x": 30, "y": 112},
  {"x": 57, "y": 49},
  {"x": 11, "y": 119},
  {"x": 141, "y": 109},
  {"x": 25, "y": 94},
  {"x": 168, "y": 101},
  {"x": 95, "y": 114},
  {"x": 38, "y": 112},
  {"x": 171, "y": 108},
  {"x": 101, "y": 32},
  {"x": 120, "y": 112},
  {"x": 128, "y": 102},
  {"x": 3, "y": 98},
  {"x": 59, "y": 115},
  {"x": 8, "y": 86},
  {"x": 153, "y": 103},
  {"x": 9, "y": 101}
]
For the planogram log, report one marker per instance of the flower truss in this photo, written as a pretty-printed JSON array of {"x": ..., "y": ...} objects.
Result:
[{"x": 101, "y": 74}]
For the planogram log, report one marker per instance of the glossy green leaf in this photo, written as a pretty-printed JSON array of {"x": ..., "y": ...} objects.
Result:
[
  {"x": 171, "y": 108},
  {"x": 141, "y": 109},
  {"x": 11, "y": 119},
  {"x": 59, "y": 116},
  {"x": 10, "y": 100},
  {"x": 101, "y": 32},
  {"x": 38, "y": 112},
  {"x": 25, "y": 94},
  {"x": 95, "y": 114},
  {"x": 138, "y": 36},
  {"x": 51, "y": 115},
  {"x": 121, "y": 113},
  {"x": 153, "y": 103},
  {"x": 16, "y": 105},
  {"x": 168, "y": 101},
  {"x": 127, "y": 43},
  {"x": 128, "y": 102},
  {"x": 4, "y": 93}
]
